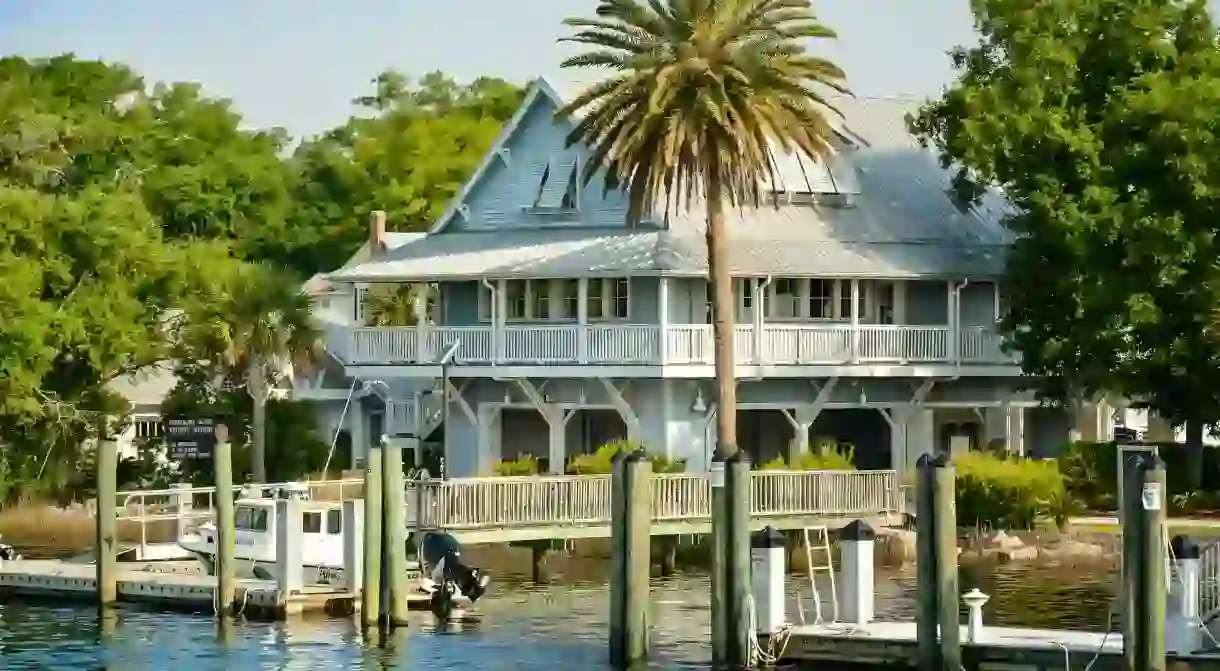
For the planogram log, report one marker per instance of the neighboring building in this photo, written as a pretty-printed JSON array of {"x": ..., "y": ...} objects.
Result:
[
  {"x": 866, "y": 304},
  {"x": 145, "y": 391}
]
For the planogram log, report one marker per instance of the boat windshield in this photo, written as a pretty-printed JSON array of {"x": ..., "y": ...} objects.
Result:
[{"x": 250, "y": 518}]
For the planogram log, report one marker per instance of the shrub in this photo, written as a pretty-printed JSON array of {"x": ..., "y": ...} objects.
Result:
[
  {"x": 1009, "y": 492},
  {"x": 1091, "y": 472},
  {"x": 602, "y": 460},
  {"x": 829, "y": 460},
  {"x": 524, "y": 465}
]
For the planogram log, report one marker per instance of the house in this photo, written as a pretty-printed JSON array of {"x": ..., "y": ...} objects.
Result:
[
  {"x": 144, "y": 391},
  {"x": 866, "y": 310}
]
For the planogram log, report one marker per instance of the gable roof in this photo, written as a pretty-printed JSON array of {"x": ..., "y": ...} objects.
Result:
[
  {"x": 539, "y": 89},
  {"x": 320, "y": 284}
]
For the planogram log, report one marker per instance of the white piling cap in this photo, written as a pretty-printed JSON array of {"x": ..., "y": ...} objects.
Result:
[{"x": 975, "y": 598}]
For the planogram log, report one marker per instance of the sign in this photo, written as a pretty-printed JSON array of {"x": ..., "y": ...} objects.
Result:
[
  {"x": 716, "y": 474},
  {"x": 192, "y": 437},
  {"x": 1151, "y": 496}
]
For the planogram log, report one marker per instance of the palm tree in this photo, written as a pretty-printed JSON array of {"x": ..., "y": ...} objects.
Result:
[
  {"x": 702, "y": 92},
  {"x": 259, "y": 329}
]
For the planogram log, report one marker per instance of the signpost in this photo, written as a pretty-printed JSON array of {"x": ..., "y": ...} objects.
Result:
[{"x": 191, "y": 438}]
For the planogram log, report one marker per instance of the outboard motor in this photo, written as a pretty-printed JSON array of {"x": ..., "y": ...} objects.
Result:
[
  {"x": 451, "y": 578},
  {"x": 7, "y": 553}
]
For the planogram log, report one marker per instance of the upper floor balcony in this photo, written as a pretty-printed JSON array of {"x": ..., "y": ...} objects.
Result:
[{"x": 669, "y": 345}]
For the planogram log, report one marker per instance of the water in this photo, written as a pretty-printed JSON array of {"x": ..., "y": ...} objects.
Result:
[{"x": 519, "y": 626}]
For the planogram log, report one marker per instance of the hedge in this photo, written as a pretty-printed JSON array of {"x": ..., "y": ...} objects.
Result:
[
  {"x": 1091, "y": 473},
  {"x": 832, "y": 459},
  {"x": 1008, "y": 492}
]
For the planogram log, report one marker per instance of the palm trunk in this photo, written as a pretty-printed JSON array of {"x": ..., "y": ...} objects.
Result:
[
  {"x": 258, "y": 452},
  {"x": 722, "y": 319}
]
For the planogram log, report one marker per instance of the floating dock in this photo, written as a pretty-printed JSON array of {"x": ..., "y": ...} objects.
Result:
[
  {"x": 892, "y": 645},
  {"x": 175, "y": 588}
]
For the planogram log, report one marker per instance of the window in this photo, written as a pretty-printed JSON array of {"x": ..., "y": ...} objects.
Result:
[
  {"x": 147, "y": 428},
  {"x": 609, "y": 298},
  {"x": 541, "y": 292},
  {"x": 597, "y": 304},
  {"x": 570, "y": 297},
  {"x": 821, "y": 299},
  {"x": 546, "y": 177},
  {"x": 845, "y": 300},
  {"x": 517, "y": 298},
  {"x": 311, "y": 522},
  {"x": 571, "y": 198},
  {"x": 885, "y": 303},
  {"x": 334, "y": 521},
  {"x": 619, "y": 298},
  {"x": 250, "y": 518},
  {"x": 785, "y": 299},
  {"x": 534, "y": 300}
]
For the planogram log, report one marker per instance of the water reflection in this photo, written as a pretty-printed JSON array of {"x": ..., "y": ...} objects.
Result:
[{"x": 520, "y": 626}]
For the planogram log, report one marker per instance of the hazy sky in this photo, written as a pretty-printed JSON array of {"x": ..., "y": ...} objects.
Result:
[{"x": 297, "y": 63}]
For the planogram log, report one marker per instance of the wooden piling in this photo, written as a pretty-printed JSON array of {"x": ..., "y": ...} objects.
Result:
[
  {"x": 226, "y": 541},
  {"x": 719, "y": 595},
  {"x": 370, "y": 594},
  {"x": 631, "y": 539},
  {"x": 394, "y": 496},
  {"x": 945, "y": 521},
  {"x": 1151, "y": 584},
  {"x": 927, "y": 592},
  {"x": 738, "y": 584},
  {"x": 106, "y": 465}
]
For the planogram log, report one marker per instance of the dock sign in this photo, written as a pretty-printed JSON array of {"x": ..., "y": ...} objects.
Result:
[{"x": 190, "y": 437}]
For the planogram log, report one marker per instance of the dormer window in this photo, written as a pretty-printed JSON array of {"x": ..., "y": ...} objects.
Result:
[{"x": 559, "y": 187}]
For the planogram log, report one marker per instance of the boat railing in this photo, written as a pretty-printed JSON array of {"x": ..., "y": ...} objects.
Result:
[{"x": 1209, "y": 581}]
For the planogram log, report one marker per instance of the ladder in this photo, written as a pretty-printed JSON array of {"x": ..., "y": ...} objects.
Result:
[{"x": 817, "y": 542}]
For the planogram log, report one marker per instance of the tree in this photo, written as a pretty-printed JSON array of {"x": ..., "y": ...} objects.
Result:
[
  {"x": 257, "y": 330},
  {"x": 1095, "y": 119},
  {"x": 409, "y": 158},
  {"x": 700, "y": 95}
]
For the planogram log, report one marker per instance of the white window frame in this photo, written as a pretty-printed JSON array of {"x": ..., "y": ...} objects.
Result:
[
  {"x": 532, "y": 291},
  {"x": 602, "y": 292}
]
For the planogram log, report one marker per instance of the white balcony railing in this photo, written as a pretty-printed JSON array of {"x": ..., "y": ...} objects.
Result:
[{"x": 688, "y": 344}]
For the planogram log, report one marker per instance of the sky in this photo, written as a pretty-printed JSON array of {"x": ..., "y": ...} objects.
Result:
[{"x": 298, "y": 63}]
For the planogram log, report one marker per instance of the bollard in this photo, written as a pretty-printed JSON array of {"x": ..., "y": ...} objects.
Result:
[
  {"x": 856, "y": 543},
  {"x": 737, "y": 479},
  {"x": 226, "y": 525},
  {"x": 767, "y": 564},
  {"x": 927, "y": 595},
  {"x": 370, "y": 594},
  {"x": 945, "y": 521},
  {"x": 975, "y": 600},
  {"x": 353, "y": 544},
  {"x": 106, "y": 522},
  {"x": 394, "y": 498},
  {"x": 719, "y": 596},
  {"x": 1149, "y": 648},
  {"x": 631, "y": 540},
  {"x": 1183, "y": 629},
  {"x": 289, "y": 550}
]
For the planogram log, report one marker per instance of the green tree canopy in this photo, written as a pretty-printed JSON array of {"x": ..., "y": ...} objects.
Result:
[{"x": 1096, "y": 118}]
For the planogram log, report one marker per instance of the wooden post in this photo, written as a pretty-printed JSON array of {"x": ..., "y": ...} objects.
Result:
[
  {"x": 289, "y": 552},
  {"x": 738, "y": 583},
  {"x": 1129, "y": 516},
  {"x": 631, "y": 530},
  {"x": 226, "y": 542},
  {"x": 927, "y": 594},
  {"x": 720, "y": 514},
  {"x": 370, "y": 594},
  {"x": 1150, "y": 612},
  {"x": 945, "y": 519},
  {"x": 394, "y": 495},
  {"x": 106, "y": 463}
]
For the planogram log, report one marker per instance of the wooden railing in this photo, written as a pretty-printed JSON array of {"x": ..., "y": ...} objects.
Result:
[
  {"x": 689, "y": 344},
  {"x": 466, "y": 504}
]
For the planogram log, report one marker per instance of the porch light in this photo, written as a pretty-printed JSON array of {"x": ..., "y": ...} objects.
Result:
[{"x": 700, "y": 405}]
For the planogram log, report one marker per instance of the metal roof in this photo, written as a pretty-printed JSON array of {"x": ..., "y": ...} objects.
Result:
[{"x": 898, "y": 221}]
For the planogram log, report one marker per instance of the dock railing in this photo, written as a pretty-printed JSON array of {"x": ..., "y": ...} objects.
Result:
[
  {"x": 1209, "y": 582},
  {"x": 466, "y": 504}
]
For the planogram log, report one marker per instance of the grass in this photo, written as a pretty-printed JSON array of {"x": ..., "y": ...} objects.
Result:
[{"x": 1198, "y": 528}]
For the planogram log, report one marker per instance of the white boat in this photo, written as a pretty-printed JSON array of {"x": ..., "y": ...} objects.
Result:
[{"x": 322, "y": 550}]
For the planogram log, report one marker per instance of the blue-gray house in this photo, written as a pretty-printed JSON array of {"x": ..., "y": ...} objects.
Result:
[{"x": 866, "y": 307}]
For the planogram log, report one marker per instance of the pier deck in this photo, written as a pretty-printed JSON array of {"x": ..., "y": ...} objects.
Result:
[
  {"x": 183, "y": 590},
  {"x": 893, "y": 645}
]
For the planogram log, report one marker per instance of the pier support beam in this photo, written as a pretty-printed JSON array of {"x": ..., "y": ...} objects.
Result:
[
  {"x": 394, "y": 497},
  {"x": 226, "y": 525},
  {"x": 631, "y": 537},
  {"x": 856, "y": 544},
  {"x": 370, "y": 594},
  {"x": 106, "y": 544},
  {"x": 1144, "y": 566},
  {"x": 938, "y": 626}
]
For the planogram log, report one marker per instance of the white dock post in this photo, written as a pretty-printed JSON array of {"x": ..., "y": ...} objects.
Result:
[
  {"x": 353, "y": 543},
  {"x": 768, "y": 562},
  {"x": 289, "y": 534},
  {"x": 974, "y": 600},
  {"x": 1183, "y": 632},
  {"x": 185, "y": 503},
  {"x": 856, "y": 544}
]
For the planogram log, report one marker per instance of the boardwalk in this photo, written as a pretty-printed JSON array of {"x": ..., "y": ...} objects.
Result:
[{"x": 507, "y": 509}]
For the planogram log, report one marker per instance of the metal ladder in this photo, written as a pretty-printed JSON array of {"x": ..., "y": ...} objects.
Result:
[{"x": 819, "y": 543}]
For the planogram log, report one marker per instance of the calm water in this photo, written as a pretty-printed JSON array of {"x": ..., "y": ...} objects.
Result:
[{"x": 517, "y": 627}]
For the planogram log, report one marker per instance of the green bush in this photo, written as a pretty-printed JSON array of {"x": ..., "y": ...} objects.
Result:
[
  {"x": 524, "y": 465},
  {"x": 1091, "y": 473},
  {"x": 1004, "y": 492},
  {"x": 602, "y": 460},
  {"x": 828, "y": 460}
]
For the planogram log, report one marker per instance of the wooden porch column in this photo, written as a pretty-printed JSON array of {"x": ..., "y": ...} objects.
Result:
[
  {"x": 423, "y": 344},
  {"x": 759, "y": 306},
  {"x": 954, "y": 334},
  {"x": 582, "y": 320},
  {"x": 855, "y": 321},
  {"x": 499, "y": 319},
  {"x": 663, "y": 318}
]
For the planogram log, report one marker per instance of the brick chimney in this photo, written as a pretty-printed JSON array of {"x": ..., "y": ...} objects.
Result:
[{"x": 377, "y": 235}]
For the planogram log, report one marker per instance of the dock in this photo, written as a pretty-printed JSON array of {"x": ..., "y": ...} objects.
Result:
[
  {"x": 892, "y": 645},
  {"x": 173, "y": 589}
]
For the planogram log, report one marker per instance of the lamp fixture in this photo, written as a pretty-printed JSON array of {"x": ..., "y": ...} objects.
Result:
[{"x": 699, "y": 405}]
